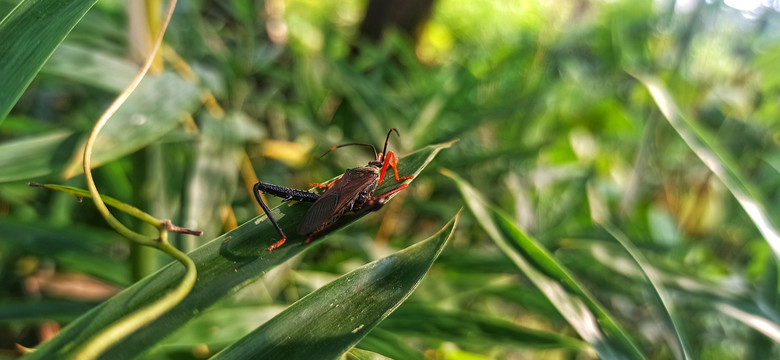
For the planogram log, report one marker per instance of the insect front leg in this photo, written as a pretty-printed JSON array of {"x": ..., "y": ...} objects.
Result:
[
  {"x": 392, "y": 161},
  {"x": 285, "y": 193},
  {"x": 376, "y": 203}
]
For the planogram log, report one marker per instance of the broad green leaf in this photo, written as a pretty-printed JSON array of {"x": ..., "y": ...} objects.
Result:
[
  {"x": 28, "y": 36},
  {"x": 573, "y": 301},
  {"x": 225, "y": 264},
  {"x": 717, "y": 160},
  {"x": 332, "y": 319},
  {"x": 472, "y": 329}
]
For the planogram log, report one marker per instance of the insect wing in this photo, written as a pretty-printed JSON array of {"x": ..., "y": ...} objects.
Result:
[
  {"x": 319, "y": 213},
  {"x": 329, "y": 207}
]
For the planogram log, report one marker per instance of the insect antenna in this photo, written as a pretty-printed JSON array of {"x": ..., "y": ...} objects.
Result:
[
  {"x": 351, "y": 144},
  {"x": 384, "y": 151}
]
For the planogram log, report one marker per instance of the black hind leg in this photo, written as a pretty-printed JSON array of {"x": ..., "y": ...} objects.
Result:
[{"x": 285, "y": 193}]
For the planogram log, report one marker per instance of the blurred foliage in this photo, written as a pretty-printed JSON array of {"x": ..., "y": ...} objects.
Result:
[{"x": 542, "y": 98}]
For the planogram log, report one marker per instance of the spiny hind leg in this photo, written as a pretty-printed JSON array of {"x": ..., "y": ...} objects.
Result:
[{"x": 285, "y": 193}]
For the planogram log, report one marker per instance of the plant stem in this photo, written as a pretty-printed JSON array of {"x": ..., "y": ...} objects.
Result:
[{"x": 116, "y": 204}]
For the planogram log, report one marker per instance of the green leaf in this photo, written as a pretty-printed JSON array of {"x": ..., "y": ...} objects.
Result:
[
  {"x": 28, "y": 36},
  {"x": 332, "y": 319},
  {"x": 225, "y": 264},
  {"x": 573, "y": 301},
  {"x": 717, "y": 160}
]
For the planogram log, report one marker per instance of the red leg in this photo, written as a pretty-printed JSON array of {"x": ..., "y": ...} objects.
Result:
[
  {"x": 391, "y": 160},
  {"x": 277, "y": 244},
  {"x": 326, "y": 185},
  {"x": 391, "y": 192},
  {"x": 394, "y": 163}
]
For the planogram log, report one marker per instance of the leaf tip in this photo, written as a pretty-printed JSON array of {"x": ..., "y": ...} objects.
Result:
[
  {"x": 446, "y": 172},
  {"x": 449, "y": 143}
]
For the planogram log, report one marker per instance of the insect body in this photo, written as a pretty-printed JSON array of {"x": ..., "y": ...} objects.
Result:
[{"x": 351, "y": 192}]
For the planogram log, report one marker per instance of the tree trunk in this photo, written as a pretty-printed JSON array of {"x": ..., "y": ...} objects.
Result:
[{"x": 406, "y": 16}]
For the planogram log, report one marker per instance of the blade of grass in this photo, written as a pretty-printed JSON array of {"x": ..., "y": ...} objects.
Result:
[
  {"x": 225, "y": 264},
  {"x": 332, "y": 319},
  {"x": 715, "y": 159},
  {"x": 28, "y": 36},
  {"x": 573, "y": 301}
]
